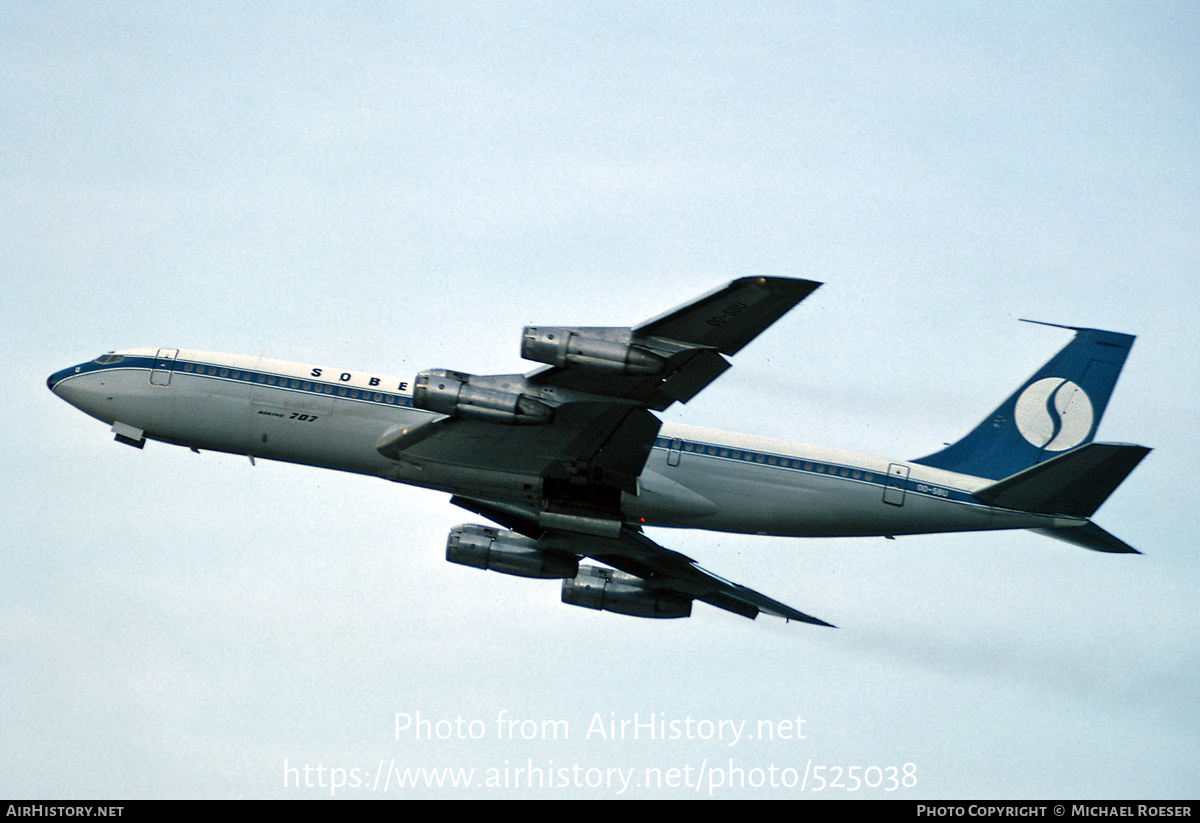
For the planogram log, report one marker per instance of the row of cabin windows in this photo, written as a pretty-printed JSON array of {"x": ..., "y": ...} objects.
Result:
[
  {"x": 273, "y": 380},
  {"x": 774, "y": 460}
]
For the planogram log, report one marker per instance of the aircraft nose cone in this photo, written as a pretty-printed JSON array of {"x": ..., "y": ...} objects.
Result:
[
  {"x": 55, "y": 381},
  {"x": 56, "y": 378}
]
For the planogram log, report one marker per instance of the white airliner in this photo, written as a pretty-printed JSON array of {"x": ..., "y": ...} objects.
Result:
[{"x": 571, "y": 461}]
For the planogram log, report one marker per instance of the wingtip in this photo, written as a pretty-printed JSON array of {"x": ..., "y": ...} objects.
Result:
[
  {"x": 797, "y": 288},
  {"x": 800, "y": 617}
]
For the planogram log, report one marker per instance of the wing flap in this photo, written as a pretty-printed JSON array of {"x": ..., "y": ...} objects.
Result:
[{"x": 689, "y": 379}]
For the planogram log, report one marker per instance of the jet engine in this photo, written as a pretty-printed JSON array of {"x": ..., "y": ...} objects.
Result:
[
  {"x": 558, "y": 347},
  {"x": 465, "y": 395},
  {"x": 614, "y": 591},
  {"x": 508, "y": 553}
]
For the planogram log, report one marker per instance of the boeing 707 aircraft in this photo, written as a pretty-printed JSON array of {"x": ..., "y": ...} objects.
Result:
[{"x": 571, "y": 462}]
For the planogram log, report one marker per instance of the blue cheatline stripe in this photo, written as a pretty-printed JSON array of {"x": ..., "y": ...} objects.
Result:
[
  {"x": 816, "y": 468},
  {"x": 282, "y": 382},
  {"x": 127, "y": 362}
]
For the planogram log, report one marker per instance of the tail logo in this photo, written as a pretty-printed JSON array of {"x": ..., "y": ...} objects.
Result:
[{"x": 1054, "y": 414}]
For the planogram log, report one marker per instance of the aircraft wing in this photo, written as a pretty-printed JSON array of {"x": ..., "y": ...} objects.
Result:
[
  {"x": 690, "y": 339},
  {"x": 635, "y": 553},
  {"x": 586, "y": 419},
  {"x": 657, "y": 568}
]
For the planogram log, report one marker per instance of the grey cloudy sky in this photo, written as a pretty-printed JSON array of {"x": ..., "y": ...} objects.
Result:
[{"x": 398, "y": 186}]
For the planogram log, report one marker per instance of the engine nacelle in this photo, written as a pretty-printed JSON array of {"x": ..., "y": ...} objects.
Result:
[
  {"x": 451, "y": 392},
  {"x": 614, "y": 591},
  {"x": 508, "y": 553},
  {"x": 558, "y": 347}
]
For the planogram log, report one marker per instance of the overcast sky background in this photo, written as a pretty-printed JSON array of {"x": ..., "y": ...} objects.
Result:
[{"x": 398, "y": 186}]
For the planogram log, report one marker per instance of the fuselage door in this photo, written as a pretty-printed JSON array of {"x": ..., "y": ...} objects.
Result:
[
  {"x": 897, "y": 480},
  {"x": 673, "y": 452},
  {"x": 164, "y": 364}
]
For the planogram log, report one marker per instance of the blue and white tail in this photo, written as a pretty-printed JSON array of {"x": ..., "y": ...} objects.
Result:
[{"x": 1054, "y": 411}]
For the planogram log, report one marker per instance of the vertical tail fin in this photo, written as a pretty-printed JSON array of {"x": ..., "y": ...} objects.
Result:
[{"x": 1057, "y": 409}]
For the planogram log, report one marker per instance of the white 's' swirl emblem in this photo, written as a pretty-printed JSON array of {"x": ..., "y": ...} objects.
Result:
[{"x": 1054, "y": 414}]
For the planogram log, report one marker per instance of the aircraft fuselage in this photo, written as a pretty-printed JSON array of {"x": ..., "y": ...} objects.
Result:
[{"x": 693, "y": 477}]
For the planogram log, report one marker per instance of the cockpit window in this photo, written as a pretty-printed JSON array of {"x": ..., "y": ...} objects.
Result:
[{"x": 105, "y": 359}]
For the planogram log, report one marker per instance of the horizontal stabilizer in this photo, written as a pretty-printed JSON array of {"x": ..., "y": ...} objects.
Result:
[
  {"x": 1074, "y": 484},
  {"x": 1090, "y": 536}
]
